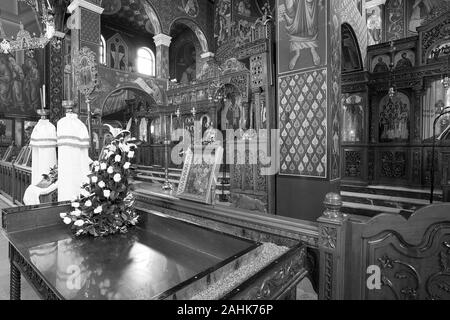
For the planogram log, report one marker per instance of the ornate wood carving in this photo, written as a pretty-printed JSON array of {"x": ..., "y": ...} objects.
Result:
[
  {"x": 394, "y": 164},
  {"x": 413, "y": 255},
  {"x": 353, "y": 161},
  {"x": 273, "y": 286},
  {"x": 20, "y": 266}
]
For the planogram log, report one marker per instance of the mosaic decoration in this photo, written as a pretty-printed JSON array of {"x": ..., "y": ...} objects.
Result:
[{"x": 303, "y": 124}]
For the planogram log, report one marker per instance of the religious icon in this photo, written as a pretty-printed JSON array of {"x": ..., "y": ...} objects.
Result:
[
  {"x": 404, "y": 60},
  {"x": 374, "y": 25},
  {"x": 299, "y": 27},
  {"x": 244, "y": 8},
  {"x": 380, "y": 64},
  {"x": 190, "y": 7},
  {"x": 394, "y": 118},
  {"x": 86, "y": 74},
  {"x": 6, "y": 135},
  {"x": 223, "y": 21}
]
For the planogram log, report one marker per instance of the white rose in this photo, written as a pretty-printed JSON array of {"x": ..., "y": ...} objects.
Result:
[
  {"x": 98, "y": 209},
  {"x": 75, "y": 205},
  {"x": 112, "y": 148},
  {"x": 96, "y": 163},
  {"x": 94, "y": 179},
  {"x": 85, "y": 193},
  {"x": 88, "y": 203},
  {"x": 101, "y": 184},
  {"x": 124, "y": 147},
  {"x": 76, "y": 213},
  {"x": 131, "y": 154},
  {"x": 117, "y": 177},
  {"x": 127, "y": 165},
  {"x": 118, "y": 158},
  {"x": 67, "y": 220},
  {"x": 110, "y": 170},
  {"x": 107, "y": 193},
  {"x": 103, "y": 166},
  {"x": 63, "y": 215},
  {"x": 97, "y": 169},
  {"x": 79, "y": 223}
]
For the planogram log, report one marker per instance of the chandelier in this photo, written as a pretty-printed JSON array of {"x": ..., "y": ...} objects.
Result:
[{"x": 24, "y": 40}]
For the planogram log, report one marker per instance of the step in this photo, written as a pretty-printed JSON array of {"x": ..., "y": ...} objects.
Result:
[
  {"x": 385, "y": 201},
  {"x": 371, "y": 210},
  {"x": 400, "y": 192}
]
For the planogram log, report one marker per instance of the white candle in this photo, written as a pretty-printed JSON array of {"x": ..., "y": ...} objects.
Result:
[{"x": 43, "y": 96}]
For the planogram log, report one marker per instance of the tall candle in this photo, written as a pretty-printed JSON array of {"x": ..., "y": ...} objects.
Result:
[
  {"x": 43, "y": 96},
  {"x": 171, "y": 124},
  {"x": 447, "y": 96},
  {"x": 42, "y": 101}
]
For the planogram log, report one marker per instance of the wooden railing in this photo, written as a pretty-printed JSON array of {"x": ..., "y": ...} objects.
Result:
[
  {"x": 446, "y": 176},
  {"x": 14, "y": 180},
  {"x": 388, "y": 257}
]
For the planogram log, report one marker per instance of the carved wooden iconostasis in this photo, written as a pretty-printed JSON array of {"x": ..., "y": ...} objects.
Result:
[
  {"x": 232, "y": 92},
  {"x": 388, "y": 140}
]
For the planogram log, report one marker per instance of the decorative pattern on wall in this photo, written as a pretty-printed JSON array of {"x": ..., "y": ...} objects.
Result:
[
  {"x": 56, "y": 80},
  {"x": 350, "y": 14},
  {"x": 91, "y": 26},
  {"x": 303, "y": 124},
  {"x": 335, "y": 80},
  {"x": 395, "y": 20}
]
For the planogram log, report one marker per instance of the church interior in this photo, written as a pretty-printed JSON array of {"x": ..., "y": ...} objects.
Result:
[{"x": 225, "y": 149}]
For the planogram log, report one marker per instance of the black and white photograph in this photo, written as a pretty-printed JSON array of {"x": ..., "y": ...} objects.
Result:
[{"x": 238, "y": 152}]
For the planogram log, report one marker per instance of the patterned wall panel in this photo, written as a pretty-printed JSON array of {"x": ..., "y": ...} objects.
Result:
[
  {"x": 350, "y": 14},
  {"x": 303, "y": 123},
  {"x": 90, "y": 31}
]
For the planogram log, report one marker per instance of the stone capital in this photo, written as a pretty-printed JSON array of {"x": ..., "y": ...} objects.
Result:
[
  {"x": 162, "y": 40},
  {"x": 75, "y": 4},
  {"x": 206, "y": 55}
]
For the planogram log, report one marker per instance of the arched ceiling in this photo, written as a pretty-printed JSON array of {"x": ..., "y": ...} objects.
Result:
[{"x": 134, "y": 14}]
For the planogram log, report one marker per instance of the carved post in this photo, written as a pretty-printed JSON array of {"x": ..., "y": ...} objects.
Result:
[{"x": 332, "y": 238}]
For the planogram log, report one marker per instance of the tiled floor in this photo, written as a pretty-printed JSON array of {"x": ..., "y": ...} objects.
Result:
[{"x": 27, "y": 291}]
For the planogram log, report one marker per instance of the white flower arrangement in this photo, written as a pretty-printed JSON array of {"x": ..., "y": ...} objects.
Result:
[{"x": 105, "y": 204}]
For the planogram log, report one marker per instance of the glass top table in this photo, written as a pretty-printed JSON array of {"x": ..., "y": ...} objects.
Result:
[{"x": 153, "y": 261}]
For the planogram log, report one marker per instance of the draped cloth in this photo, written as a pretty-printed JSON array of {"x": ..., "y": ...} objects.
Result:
[
  {"x": 302, "y": 24},
  {"x": 73, "y": 156},
  {"x": 43, "y": 146},
  {"x": 33, "y": 192}
]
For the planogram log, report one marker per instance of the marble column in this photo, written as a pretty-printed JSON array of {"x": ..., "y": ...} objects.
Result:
[{"x": 162, "y": 43}]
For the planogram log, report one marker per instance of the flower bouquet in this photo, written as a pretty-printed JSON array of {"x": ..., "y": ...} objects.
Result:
[{"x": 105, "y": 205}]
